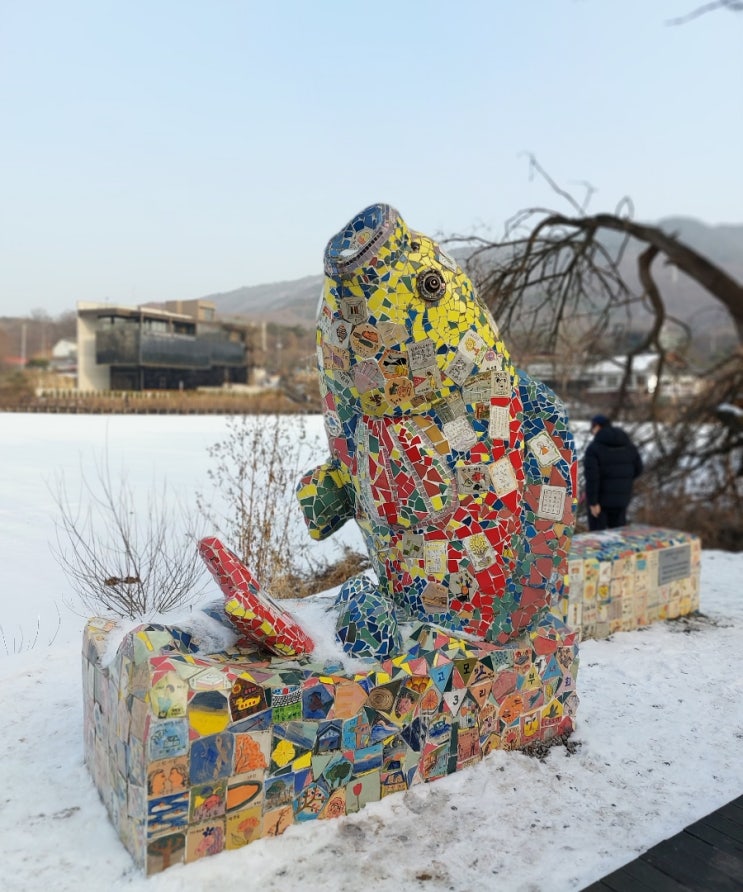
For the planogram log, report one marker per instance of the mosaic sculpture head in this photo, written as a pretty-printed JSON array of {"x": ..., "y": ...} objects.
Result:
[{"x": 459, "y": 469}]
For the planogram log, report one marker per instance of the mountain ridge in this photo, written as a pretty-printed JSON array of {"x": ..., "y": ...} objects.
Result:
[{"x": 294, "y": 302}]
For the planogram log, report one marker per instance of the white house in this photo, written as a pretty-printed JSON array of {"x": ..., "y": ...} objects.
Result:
[
  {"x": 606, "y": 377},
  {"x": 64, "y": 357}
]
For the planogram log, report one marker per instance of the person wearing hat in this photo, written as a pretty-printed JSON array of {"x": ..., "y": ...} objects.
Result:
[{"x": 610, "y": 466}]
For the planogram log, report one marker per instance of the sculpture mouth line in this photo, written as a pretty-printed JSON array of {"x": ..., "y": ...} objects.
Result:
[{"x": 358, "y": 240}]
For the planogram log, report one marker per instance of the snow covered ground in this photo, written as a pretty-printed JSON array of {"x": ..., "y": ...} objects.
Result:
[{"x": 658, "y": 741}]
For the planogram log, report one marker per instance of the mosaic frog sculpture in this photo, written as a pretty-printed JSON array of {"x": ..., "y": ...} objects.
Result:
[{"x": 459, "y": 469}]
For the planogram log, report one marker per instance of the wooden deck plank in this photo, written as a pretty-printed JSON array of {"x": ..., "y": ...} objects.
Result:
[
  {"x": 699, "y": 856},
  {"x": 707, "y": 855},
  {"x": 638, "y": 876},
  {"x": 733, "y": 811},
  {"x": 693, "y": 873},
  {"x": 713, "y": 836},
  {"x": 724, "y": 825}
]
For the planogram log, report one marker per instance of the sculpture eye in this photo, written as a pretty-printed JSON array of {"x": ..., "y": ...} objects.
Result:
[{"x": 431, "y": 285}]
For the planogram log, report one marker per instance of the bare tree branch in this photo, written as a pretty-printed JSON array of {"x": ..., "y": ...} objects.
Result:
[
  {"x": 733, "y": 5},
  {"x": 558, "y": 286},
  {"x": 713, "y": 279}
]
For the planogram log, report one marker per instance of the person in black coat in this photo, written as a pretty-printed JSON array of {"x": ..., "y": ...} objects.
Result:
[{"x": 610, "y": 466}]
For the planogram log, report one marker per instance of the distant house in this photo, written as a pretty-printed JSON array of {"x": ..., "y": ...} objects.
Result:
[
  {"x": 181, "y": 346},
  {"x": 604, "y": 377},
  {"x": 64, "y": 357}
]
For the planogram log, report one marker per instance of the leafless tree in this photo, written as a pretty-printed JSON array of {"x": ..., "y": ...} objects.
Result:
[{"x": 555, "y": 271}]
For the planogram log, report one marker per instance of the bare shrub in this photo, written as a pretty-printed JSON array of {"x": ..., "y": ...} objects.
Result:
[
  {"x": 16, "y": 389},
  {"x": 256, "y": 469},
  {"x": 718, "y": 527},
  {"x": 122, "y": 557}
]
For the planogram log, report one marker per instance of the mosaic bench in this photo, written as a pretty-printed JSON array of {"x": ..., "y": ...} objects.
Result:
[
  {"x": 195, "y": 753},
  {"x": 626, "y": 578}
]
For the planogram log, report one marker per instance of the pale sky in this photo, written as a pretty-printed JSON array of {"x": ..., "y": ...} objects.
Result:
[{"x": 172, "y": 149}]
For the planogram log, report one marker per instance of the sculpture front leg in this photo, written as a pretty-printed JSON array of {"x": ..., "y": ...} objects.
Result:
[
  {"x": 367, "y": 623},
  {"x": 323, "y": 495}
]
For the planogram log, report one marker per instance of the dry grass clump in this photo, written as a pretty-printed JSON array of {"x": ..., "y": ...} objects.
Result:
[
  {"x": 14, "y": 397},
  {"x": 330, "y": 575}
]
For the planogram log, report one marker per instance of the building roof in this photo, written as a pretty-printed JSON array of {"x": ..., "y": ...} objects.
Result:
[
  {"x": 642, "y": 362},
  {"x": 94, "y": 308}
]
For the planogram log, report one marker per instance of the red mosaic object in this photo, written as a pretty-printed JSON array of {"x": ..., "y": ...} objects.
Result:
[{"x": 253, "y": 613}]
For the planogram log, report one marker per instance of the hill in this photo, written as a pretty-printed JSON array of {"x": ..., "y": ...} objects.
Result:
[
  {"x": 288, "y": 303},
  {"x": 722, "y": 244},
  {"x": 295, "y": 302}
]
